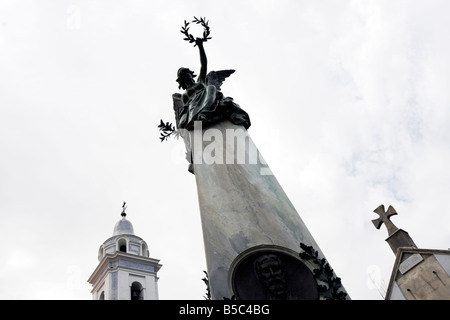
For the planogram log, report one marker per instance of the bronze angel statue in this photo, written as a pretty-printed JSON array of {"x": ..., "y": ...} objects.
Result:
[{"x": 203, "y": 100}]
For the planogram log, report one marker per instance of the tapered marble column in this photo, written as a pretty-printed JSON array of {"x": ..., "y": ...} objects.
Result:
[{"x": 242, "y": 205}]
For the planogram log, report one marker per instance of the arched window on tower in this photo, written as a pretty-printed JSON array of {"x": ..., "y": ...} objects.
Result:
[
  {"x": 102, "y": 296},
  {"x": 144, "y": 250},
  {"x": 100, "y": 253},
  {"x": 137, "y": 291},
  {"x": 122, "y": 245}
]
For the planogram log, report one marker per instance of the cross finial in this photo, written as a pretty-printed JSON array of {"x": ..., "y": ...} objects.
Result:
[
  {"x": 123, "y": 214},
  {"x": 384, "y": 217}
]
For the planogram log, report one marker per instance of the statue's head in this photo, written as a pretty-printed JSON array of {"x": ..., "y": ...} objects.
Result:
[
  {"x": 185, "y": 77},
  {"x": 272, "y": 274}
]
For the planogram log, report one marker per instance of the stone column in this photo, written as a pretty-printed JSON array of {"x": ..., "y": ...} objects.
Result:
[{"x": 244, "y": 211}]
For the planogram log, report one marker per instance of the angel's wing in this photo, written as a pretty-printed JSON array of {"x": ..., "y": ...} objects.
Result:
[
  {"x": 177, "y": 107},
  {"x": 216, "y": 78}
]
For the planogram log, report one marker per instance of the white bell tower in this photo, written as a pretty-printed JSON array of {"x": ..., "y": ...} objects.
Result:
[{"x": 125, "y": 270}]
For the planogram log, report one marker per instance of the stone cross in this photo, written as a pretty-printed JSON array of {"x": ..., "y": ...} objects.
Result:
[{"x": 384, "y": 217}]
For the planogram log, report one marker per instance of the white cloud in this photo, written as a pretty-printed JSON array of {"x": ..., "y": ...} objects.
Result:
[{"x": 349, "y": 108}]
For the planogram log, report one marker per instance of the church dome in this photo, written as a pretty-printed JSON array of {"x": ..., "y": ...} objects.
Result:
[
  {"x": 123, "y": 240},
  {"x": 123, "y": 226}
]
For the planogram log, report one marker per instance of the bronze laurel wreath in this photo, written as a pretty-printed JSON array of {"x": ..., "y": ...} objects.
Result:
[{"x": 190, "y": 37}]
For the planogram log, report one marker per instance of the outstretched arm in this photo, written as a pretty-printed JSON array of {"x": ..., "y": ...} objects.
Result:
[{"x": 203, "y": 60}]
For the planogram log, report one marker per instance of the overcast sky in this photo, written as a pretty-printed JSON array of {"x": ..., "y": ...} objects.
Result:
[{"x": 349, "y": 103}]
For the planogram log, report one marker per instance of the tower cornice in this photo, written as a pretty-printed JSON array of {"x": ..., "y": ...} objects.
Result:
[{"x": 111, "y": 263}]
